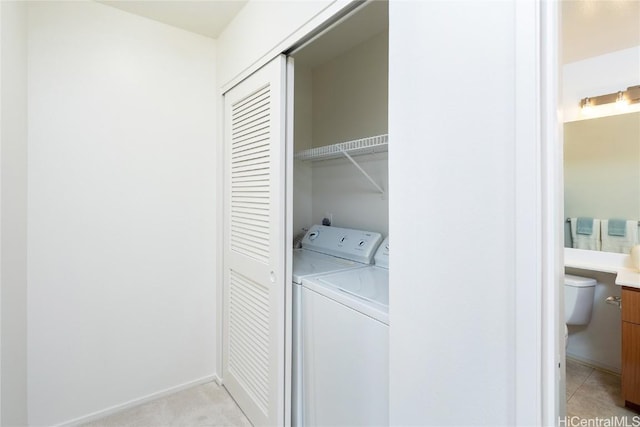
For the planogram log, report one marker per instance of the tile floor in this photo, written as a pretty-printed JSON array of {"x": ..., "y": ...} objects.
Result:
[
  {"x": 592, "y": 393},
  {"x": 204, "y": 405}
]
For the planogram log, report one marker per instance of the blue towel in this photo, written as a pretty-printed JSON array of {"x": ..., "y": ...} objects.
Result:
[
  {"x": 584, "y": 226},
  {"x": 617, "y": 227}
]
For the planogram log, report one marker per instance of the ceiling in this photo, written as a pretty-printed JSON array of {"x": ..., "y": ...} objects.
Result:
[
  {"x": 589, "y": 27},
  {"x": 205, "y": 17},
  {"x": 595, "y": 27}
]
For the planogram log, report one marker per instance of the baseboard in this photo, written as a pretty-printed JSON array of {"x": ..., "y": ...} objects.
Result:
[
  {"x": 594, "y": 364},
  {"x": 218, "y": 380},
  {"x": 138, "y": 401}
]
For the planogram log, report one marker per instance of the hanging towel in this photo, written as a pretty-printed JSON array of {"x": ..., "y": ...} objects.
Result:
[
  {"x": 585, "y": 241},
  {"x": 616, "y": 243},
  {"x": 585, "y": 226},
  {"x": 617, "y": 227}
]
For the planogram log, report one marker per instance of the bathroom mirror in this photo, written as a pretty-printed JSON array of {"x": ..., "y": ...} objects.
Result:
[{"x": 602, "y": 170}]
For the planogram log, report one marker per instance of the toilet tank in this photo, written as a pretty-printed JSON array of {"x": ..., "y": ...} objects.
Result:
[{"x": 579, "y": 293}]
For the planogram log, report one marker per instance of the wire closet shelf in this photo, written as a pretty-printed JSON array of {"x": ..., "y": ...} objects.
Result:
[{"x": 370, "y": 145}]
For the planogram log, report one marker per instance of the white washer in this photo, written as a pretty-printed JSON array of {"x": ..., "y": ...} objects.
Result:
[
  {"x": 324, "y": 250},
  {"x": 345, "y": 355}
]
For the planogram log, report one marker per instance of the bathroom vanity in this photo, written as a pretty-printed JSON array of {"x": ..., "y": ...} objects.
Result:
[{"x": 631, "y": 346}]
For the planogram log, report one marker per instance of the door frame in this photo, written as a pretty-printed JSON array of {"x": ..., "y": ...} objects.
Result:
[
  {"x": 553, "y": 382},
  {"x": 288, "y": 227}
]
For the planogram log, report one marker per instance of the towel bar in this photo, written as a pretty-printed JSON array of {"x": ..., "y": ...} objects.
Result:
[{"x": 569, "y": 220}]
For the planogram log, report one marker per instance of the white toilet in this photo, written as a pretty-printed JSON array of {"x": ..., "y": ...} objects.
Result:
[{"x": 579, "y": 294}]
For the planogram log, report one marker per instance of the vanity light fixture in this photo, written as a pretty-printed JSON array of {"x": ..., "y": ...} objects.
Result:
[{"x": 624, "y": 97}]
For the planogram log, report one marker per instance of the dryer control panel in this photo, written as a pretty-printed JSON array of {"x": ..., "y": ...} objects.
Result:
[
  {"x": 355, "y": 245},
  {"x": 382, "y": 254}
]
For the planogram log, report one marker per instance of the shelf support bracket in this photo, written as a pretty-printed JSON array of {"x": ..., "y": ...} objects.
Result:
[{"x": 362, "y": 170}]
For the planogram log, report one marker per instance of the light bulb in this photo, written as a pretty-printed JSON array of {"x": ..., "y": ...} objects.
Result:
[
  {"x": 621, "y": 101},
  {"x": 586, "y": 107}
]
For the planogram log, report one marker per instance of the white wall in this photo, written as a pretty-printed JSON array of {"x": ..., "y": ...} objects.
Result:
[
  {"x": 13, "y": 213},
  {"x": 121, "y": 242},
  {"x": 302, "y": 138},
  {"x": 349, "y": 101},
  {"x": 350, "y": 93},
  {"x": 455, "y": 214},
  {"x": 341, "y": 190},
  {"x": 598, "y": 76}
]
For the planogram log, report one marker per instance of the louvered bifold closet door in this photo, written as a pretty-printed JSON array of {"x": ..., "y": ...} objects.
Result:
[{"x": 254, "y": 291}]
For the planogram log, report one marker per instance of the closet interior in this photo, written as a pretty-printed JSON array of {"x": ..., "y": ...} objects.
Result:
[
  {"x": 340, "y": 179},
  {"x": 341, "y": 125}
]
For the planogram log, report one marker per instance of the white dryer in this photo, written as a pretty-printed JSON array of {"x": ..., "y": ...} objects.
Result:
[
  {"x": 324, "y": 250},
  {"x": 345, "y": 353}
]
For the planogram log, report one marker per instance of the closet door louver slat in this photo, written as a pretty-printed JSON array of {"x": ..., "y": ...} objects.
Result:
[
  {"x": 248, "y": 344},
  {"x": 255, "y": 243}
]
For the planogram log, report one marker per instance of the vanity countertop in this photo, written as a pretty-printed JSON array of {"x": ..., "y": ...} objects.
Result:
[
  {"x": 628, "y": 277},
  {"x": 618, "y": 264}
]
